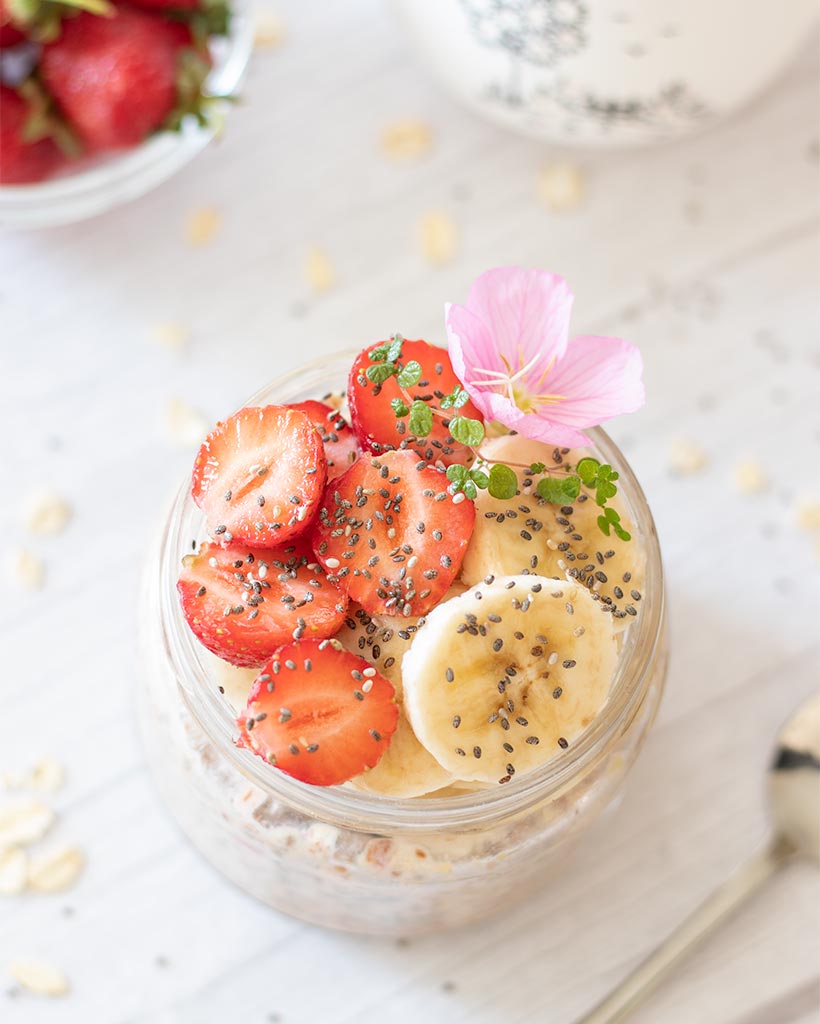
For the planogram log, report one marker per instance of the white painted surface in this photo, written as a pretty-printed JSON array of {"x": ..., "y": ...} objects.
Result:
[{"x": 704, "y": 253}]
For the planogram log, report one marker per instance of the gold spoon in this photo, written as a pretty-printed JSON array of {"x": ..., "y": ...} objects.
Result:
[{"x": 794, "y": 798}]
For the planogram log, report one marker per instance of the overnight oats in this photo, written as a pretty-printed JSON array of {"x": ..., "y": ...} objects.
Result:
[{"x": 404, "y": 634}]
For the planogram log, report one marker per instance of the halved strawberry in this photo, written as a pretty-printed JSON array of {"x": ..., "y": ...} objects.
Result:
[
  {"x": 374, "y": 420},
  {"x": 391, "y": 534},
  {"x": 319, "y": 713},
  {"x": 242, "y": 604},
  {"x": 258, "y": 477},
  {"x": 341, "y": 446}
]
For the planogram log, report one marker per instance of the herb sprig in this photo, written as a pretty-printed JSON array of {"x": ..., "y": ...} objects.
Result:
[{"x": 559, "y": 485}]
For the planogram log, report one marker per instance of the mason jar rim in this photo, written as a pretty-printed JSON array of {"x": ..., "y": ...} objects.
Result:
[{"x": 360, "y": 811}]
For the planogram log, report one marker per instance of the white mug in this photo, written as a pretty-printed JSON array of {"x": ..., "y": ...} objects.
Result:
[{"x": 606, "y": 72}]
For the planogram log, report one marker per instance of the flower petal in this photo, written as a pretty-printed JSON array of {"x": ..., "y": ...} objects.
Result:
[
  {"x": 599, "y": 378},
  {"x": 535, "y": 426},
  {"x": 526, "y": 312},
  {"x": 468, "y": 340}
]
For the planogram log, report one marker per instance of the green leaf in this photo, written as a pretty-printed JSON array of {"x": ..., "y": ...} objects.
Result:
[
  {"x": 604, "y": 525},
  {"x": 479, "y": 478},
  {"x": 380, "y": 372},
  {"x": 467, "y": 431},
  {"x": 399, "y": 407},
  {"x": 611, "y": 516},
  {"x": 502, "y": 481},
  {"x": 604, "y": 491},
  {"x": 449, "y": 400},
  {"x": 456, "y": 399},
  {"x": 410, "y": 375},
  {"x": 394, "y": 348},
  {"x": 587, "y": 470},
  {"x": 559, "y": 492},
  {"x": 470, "y": 491},
  {"x": 621, "y": 532},
  {"x": 421, "y": 419},
  {"x": 378, "y": 354},
  {"x": 457, "y": 474},
  {"x": 536, "y": 468}
]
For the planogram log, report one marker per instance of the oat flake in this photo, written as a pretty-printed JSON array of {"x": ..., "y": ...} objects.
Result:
[
  {"x": 185, "y": 425},
  {"x": 24, "y": 822},
  {"x": 407, "y": 139},
  {"x": 750, "y": 478},
  {"x": 319, "y": 271},
  {"x": 40, "y": 978},
  {"x": 808, "y": 515},
  {"x": 561, "y": 186},
  {"x": 171, "y": 336},
  {"x": 56, "y": 870},
  {"x": 46, "y": 513},
  {"x": 201, "y": 225},
  {"x": 268, "y": 30},
  {"x": 26, "y": 569},
  {"x": 686, "y": 458},
  {"x": 13, "y": 871},
  {"x": 48, "y": 774},
  {"x": 438, "y": 235}
]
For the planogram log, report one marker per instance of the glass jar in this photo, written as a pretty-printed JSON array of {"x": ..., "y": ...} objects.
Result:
[
  {"x": 354, "y": 860},
  {"x": 118, "y": 178}
]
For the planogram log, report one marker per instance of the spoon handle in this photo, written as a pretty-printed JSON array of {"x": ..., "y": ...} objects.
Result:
[{"x": 713, "y": 912}]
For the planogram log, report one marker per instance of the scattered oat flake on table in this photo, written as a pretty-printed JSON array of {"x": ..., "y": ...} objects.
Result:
[
  {"x": 438, "y": 235},
  {"x": 40, "y": 978},
  {"x": 26, "y": 569},
  {"x": 56, "y": 870},
  {"x": 171, "y": 335},
  {"x": 23, "y": 822},
  {"x": 13, "y": 780},
  {"x": 319, "y": 271},
  {"x": 268, "y": 29},
  {"x": 48, "y": 774},
  {"x": 202, "y": 225},
  {"x": 46, "y": 513},
  {"x": 185, "y": 425},
  {"x": 13, "y": 871},
  {"x": 561, "y": 186},
  {"x": 750, "y": 477},
  {"x": 407, "y": 139},
  {"x": 808, "y": 515},
  {"x": 686, "y": 458}
]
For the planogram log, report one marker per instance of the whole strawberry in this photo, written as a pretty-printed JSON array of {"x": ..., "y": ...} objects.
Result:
[
  {"x": 27, "y": 152},
  {"x": 118, "y": 79}
]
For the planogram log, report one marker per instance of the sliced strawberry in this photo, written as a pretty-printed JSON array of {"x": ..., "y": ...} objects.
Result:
[
  {"x": 258, "y": 477},
  {"x": 374, "y": 420},
  {"x": 341, "y": 446},
  {"x": 25, "y": 155},
  {"x": 392, "y": 535},
  {"x": 243, "y": 604},
  {"x": 319, "y": 713}
]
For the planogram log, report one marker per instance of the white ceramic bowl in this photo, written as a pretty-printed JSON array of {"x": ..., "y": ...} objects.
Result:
[
  {"x": 597, "y": 72},
  {"x": 119, "y": 178}
]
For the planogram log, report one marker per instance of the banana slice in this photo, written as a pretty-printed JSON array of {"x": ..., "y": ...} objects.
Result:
[
  {"x": 384, "y": 639},
  {"x": 406, "y": 769},
  {"x": 502, "y": 678},
  {"x": 381, "y": 639},
  {"x": 233, "y": 682},
  {"x": 526, "y": 534}
]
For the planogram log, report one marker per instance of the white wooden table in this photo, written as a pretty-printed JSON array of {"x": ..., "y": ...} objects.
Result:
[{"x": 704, "y": 253}]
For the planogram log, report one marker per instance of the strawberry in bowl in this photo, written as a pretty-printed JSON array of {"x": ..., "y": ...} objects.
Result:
[{"x": 117, "y": 96}]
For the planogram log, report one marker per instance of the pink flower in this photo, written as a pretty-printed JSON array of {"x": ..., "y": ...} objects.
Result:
[{"x": 509, "y": 347}]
